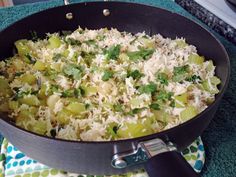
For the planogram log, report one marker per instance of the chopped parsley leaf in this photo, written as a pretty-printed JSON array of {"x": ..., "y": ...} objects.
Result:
[
  {"x": 113, "y": 52},
  {"x": 73, "y": 71},
  {"x": 72, "y": 41},
  {"x": 88, "y": 57},
  {"x": 135, "y": 74},
  {"x": 90, "y": 42},
  {"x": 137, "y": 110},
  {"x": 142, "y": 54},
  {"x": 172, "y": 103},
  {"x": 163, "y": 95},
  {"x": 155, "y": 106},
  {"x": 193, "y": 78},
  {"x": 162, "y": 78},
  {"x": 107, "y": 75},
  {"x": 68, "y": 93},
  {"x": 30, "y": 59},
  {"x": 180, "y": 73},
  {"x": 118, "y": 107},
  {"x": 79, "y": 92},
  {"x": 57, "y": 57},
  {"x": 149, "y": 88}
]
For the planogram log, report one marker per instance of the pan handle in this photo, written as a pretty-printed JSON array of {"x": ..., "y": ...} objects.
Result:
[
  {"x": 160, "y": 159},
  {"x": 169, "y": 164}
]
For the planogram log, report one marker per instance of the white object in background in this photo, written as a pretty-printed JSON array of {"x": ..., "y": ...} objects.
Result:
[
  {"x": 221, "y": 9},
  {"x": 6, "y": 2}
]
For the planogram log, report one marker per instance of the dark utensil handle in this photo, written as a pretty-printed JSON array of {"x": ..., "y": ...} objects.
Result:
[{"x": 169, "y": 164}]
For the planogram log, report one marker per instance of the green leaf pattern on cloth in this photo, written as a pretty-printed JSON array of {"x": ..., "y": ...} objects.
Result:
[{"x": 15, "y": 163}]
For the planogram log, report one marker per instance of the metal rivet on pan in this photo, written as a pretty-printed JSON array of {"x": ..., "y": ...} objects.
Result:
[
  {"x": 69, "y": 16},
  {"x": 119, "y": 163},
  {"x": 106, "y": 12}
]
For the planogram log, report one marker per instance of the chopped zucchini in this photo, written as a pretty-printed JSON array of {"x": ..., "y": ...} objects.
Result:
[
  {"x": 39, "y": 65},
  {"x": 30, "y": 100},
  {"x": 54, "y": 42},
  {"x": 133, "y": 130},
  {"x": 196, "y": 59},
  {"x": 29, "y": 79},
  {"x": 63, "y": 117},
  {"x": 76, "y": 108},
  {"x": 188, "y": 113},
  {"x": 181, "y": 100}
]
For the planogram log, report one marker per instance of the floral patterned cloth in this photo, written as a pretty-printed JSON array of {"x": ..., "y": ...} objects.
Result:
[{"x": 15, "y": 163}]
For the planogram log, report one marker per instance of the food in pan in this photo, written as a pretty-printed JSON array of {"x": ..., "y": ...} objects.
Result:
[{"x": 100, "y": 85}]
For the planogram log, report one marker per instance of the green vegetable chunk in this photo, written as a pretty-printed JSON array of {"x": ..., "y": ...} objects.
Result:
[
  {"x": 155, "y": 106},
  {"x": 107, "y": 75},
  {"x": 113, "y": 52},
  {"x": 88, "y": 91},
  {"x": 39, "y": 65},
  {"x": 188, "y": 113},
  {"x": 164, "y": 95},
  {"x": 4, "y": 88},
  {"x": 181, "y": 43},
  {"x": 73, "y": 71},
  {"x": 142, "y": 54},
  {"x": 147, "y": 43},
  {"x": 40, "y": 127},
  {"x": 180, "y": 73},
  {"x": 76, "y": 108},
  {"x": 193, "y": 79},
  {"x": 54, "y": 42},
  {"x": 112, "y": 130},
  {"x": 162, "y": 78},
  {"x": 196, "y": 59},
  {"x": 210, "y": 85},
  {"x": 181, "y": 100},
  {"x": 133, "y": 130},
  {"x": 28, "y": 78},
  {"x": 161, "y": 116},
  {"x": 30, "y": 100},
  {"x": 22, "y": 47},
  {"x": 63, "y": 117},
  {"x": 135, "y": 74},
  {"x": 118, "y": 108},
  {"x": 149, "y": 88}
]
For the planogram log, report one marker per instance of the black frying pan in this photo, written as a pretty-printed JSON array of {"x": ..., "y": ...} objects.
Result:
[
  {"x": 233, "y": 2},
  {"x": 116, "y": 157}
]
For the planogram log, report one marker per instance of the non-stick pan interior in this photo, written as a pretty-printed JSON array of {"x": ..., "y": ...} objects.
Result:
[
  {"x": 128, "y": 17},
  {"x": 123, "y": 16}
]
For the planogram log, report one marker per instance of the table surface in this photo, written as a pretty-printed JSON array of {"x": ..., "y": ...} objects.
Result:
[{"x": 220, "y": 137}]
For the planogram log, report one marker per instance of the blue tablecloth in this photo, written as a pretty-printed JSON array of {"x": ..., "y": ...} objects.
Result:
[{"x": 220, "y": 136}]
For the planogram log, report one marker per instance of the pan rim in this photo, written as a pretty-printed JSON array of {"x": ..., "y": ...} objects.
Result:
[{"x": 151, "y": 136}]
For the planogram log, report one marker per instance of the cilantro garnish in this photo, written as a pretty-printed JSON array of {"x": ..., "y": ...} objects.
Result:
[
  {"x": 90, "y": 42},
  {"x": 72, "y": 41},
  {"x": 113, "y": 52},
  {"x": 155, "y": 106},
  {"x": 107, "y": 75},
  {"x": 193, "y": 78},
  {"x": 118, "y": 107},
  {"x": 135, "y": 74},
  {"x": 149, "y": 88},
  {"x": 164, "y": 95},
  {"x": 141, "y": 54},
  {"x": 73, "y": 71},
  {"x": 162, "y": 78},
  {"x": 30, "y": 58},
  {"x": 180, "y": 73}
]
